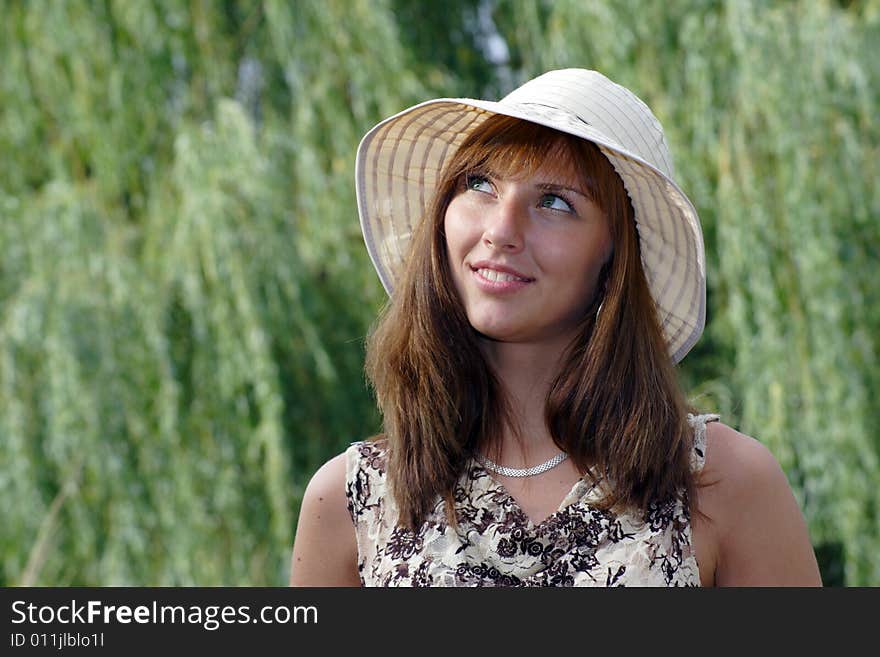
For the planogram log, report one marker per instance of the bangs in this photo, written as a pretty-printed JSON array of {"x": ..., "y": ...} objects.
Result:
[{"x": 512, "y": 148}]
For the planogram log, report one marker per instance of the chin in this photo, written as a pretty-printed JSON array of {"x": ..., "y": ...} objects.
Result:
[
  {"x": 492, "y": 331},
  {"x": 522, "y": 334},
  {"x": 493, "y": 336},
  {"x": 509, "y": 334}
]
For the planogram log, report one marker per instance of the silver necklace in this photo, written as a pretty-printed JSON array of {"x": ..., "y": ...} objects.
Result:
[{"x": 522, "y": 472}]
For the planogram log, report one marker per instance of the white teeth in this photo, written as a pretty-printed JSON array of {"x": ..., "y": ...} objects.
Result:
[{"x": 493, "y": 275}]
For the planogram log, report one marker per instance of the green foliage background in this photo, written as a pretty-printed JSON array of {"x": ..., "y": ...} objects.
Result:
[{"x": 184, "y": 291}]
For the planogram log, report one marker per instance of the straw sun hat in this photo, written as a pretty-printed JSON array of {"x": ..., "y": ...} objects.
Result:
[{"x": 400, "y": 161}]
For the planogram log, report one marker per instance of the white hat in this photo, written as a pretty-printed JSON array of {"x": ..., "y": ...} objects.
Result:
[{"x": 400, "y": 161}]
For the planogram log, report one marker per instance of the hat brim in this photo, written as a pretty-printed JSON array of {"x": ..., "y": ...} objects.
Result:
[{"x": 399, "y": 163}]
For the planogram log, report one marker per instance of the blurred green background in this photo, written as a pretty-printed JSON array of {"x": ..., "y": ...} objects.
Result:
[{"x": 184, "y": 291}]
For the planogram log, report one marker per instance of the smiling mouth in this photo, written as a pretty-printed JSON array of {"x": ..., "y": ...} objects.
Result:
[{"x": 499, "y": 276}]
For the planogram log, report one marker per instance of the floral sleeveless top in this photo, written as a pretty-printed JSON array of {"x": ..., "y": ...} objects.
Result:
[{"x": 497, "y": 545}]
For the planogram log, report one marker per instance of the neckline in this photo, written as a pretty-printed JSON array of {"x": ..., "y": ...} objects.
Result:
[{"x": 573, "y": 495}]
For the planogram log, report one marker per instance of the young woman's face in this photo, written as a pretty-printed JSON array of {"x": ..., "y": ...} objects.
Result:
[{"x": 526, "y": 252}]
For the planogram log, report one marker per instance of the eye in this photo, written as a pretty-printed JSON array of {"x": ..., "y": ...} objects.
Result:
[
  {"x": 554, "y": 202},
  {"x": 479, "y": 183}
]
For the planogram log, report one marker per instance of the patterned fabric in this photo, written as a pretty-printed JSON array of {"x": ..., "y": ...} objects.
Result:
[{"x": 497, "y": 545}]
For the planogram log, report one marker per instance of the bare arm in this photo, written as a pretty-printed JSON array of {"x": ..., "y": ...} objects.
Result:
[
  {"x": 325, "y": 549},
  {"x": 760, "y": 534}
]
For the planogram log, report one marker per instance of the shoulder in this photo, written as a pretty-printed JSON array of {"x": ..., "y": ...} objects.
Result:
[
  {"x": 758, "y": 532},
  {"x": 325, "y": 546},
  {"x": 736, "y": 460},
  {"x": 328, "y": 482}
]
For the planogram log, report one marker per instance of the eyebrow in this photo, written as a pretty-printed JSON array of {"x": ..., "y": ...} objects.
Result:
[{"x": 551, "y": 187}]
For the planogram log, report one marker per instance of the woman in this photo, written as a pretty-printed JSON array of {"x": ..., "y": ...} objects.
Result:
[{"x": 534, "y": 430}]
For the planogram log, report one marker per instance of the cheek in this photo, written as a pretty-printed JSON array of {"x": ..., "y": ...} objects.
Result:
[
  {"x": 459, "y": 232},
  {"x": 454, "y": 249},
  {"x": 586, "y": 259},
  {"x": 449, "y": 233}
]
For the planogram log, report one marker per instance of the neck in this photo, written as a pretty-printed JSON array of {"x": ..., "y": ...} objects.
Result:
[{"x": 525, "y": 372}]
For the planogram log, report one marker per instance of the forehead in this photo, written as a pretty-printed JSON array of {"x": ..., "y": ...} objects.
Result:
[
  {"x": 530, "y": 151},
  {"x": 561, "y": 169}
]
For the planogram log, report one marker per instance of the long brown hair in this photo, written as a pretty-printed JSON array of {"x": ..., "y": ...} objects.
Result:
[{"x": 615, "y": 407}]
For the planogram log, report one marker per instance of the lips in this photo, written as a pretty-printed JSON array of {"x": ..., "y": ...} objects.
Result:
[
  {"x": 496, "y": 272},
  {"x": 499, "y": 276},
  {"x": 496, "y": 279}
]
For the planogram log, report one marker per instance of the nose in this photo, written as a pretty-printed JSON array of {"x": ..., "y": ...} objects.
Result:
[{"x": 505, "y": 223}]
